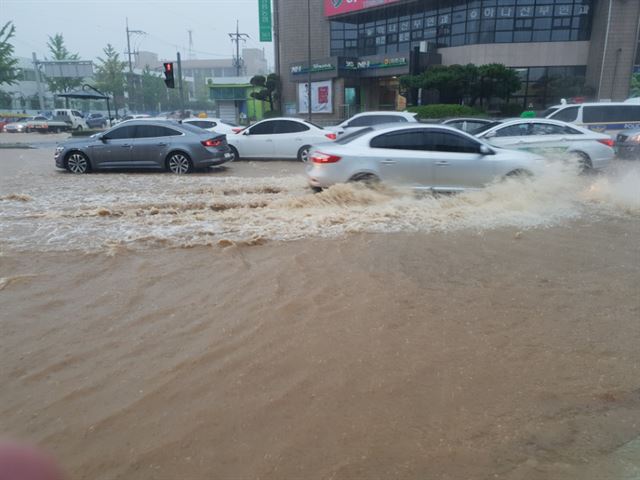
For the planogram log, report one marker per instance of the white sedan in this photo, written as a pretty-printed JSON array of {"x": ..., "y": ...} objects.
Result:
[
  {"x": 215, "y": 125},
  {"x": 550, "y": 138},
  {"x": 278, "y": 138},
  {"x": 368, "y": 119}
]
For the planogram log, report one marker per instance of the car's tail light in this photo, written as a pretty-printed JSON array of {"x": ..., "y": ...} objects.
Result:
[
  {"x": 212, "y": 142},
  {"x": 331, "y": 136},
  {"x": 319, "y": 157},
  {"x": 237, "y": 129},
  {"x": 609, "y": 142}
]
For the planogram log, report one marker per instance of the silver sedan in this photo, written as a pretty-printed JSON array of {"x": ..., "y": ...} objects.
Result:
[
  {"x": 433, "y": 157},
  {"x": 551, "y": 138},
  {"x": 153, "y": 144}
]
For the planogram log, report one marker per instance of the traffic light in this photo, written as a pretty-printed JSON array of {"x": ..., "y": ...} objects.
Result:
[{"x": 168, "y": 75}]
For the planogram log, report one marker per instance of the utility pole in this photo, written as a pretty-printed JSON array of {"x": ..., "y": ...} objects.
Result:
[
  {"x": 237, "y": 38},
  {"x": 190, "y": 44},
  {"x": 130, "y": 76},
  {"x": 38, "y": 81},
  {"x": 309, "y": 57}
]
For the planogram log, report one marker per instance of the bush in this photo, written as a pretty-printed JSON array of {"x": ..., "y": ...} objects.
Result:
[
  {"x": 437, "y": 111},
  {"x": 511, "y": 109}
]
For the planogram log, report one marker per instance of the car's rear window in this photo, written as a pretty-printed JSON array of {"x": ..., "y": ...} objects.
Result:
[
  {"x": 311, "y": 123},
  {"x": 349, "y": 137},
  {"x": 484, "y": 128}
]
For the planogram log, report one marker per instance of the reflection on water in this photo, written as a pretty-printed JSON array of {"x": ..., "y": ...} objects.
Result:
[{"x": 97, "y": 211}]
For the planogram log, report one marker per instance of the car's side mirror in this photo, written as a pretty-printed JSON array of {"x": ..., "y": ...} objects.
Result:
[
  {"x": 246, "y": 132},
  {"x": 103, "y": 138},
  {"x": 490, "y": 135},
  {"x": 484, "y": 150}
]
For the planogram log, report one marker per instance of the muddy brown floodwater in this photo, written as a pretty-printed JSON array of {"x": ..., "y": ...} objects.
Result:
[{"x": 232, "y": 325}]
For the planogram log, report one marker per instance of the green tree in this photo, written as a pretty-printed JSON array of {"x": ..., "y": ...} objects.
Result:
[
  {"x": 59, "y": 52},
  {"x": 8, "y": 71},
  {"x": 153, "y": 90},
  {"x": 269, "y": 89},
  {"x": 496, "y": 80},
  {"x": 109, "y": 77},
  {"x": 458, "y": 83}
]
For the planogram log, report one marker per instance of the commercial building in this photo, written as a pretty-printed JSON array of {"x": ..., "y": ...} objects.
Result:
[{"x": 359, "y": 48}]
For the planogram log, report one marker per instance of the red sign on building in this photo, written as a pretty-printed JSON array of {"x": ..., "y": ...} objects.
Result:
[{"x": 337, "y": 7}]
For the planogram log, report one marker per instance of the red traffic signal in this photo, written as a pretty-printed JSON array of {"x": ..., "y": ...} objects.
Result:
[{"x": 168, "y": 75}]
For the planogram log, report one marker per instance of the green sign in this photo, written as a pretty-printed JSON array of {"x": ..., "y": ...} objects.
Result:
[{"x": 264, "y": 12}]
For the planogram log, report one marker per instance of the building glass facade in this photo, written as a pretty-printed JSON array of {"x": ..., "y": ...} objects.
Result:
[{"x": 451, "y": 23}]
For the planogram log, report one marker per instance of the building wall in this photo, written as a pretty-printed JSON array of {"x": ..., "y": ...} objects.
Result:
[
  {"x": 612, "y": 78},
  {"x": 293, "y": 39}
]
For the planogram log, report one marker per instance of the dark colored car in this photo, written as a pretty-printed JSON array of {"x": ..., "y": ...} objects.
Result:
[
  {"x": 96, "y": 120},
  {"x": 628, "y": 144},
  {"x": 145, "y": 144}
]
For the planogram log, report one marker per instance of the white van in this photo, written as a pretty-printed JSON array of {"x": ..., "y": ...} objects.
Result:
[
  {"x": 72, "y": 117},
  {"x": 610, "y": 117}
]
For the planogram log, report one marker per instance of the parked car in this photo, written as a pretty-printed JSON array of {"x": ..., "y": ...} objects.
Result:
[
  {"x": 17, "y": 126},
  {"x": 368, "y": 119},
  {"x": 214, "y": 125},
  {"x": 96, "y": 120},
  {"x": 628, "y": 144},
  {"x": 158, "y": 144},
  {"x": 550, "y": 138},
  {"x": 278, "y": 138},
  {"x": 72, "y": 117},
  {"x": 466, "y": 124},
  {"x": 421, "y": 156},
  {"x": 604, "y": 117}
]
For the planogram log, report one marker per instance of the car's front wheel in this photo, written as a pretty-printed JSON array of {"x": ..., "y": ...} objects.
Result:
[
  {"x": 179, "y": 163},
  {"x": 77, "y": 162}
]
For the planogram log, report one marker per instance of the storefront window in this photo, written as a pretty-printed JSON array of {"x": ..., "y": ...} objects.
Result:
[{"x": 462, "y": 22}]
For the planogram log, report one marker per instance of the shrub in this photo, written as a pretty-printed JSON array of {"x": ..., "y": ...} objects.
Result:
[
  {"x": 511, "y": 109},
  {"x": 445, "y": 111}
]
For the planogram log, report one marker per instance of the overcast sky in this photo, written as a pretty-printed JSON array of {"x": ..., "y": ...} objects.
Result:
[{"x": 88, "y": 25}]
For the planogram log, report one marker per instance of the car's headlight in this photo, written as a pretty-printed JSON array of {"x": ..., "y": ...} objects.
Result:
[
  {"x": 635, "y": 138},
  {"x": 59, "y": 149}
]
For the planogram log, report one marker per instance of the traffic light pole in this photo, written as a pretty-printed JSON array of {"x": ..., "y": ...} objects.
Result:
[{"x": 180, "y": 81}]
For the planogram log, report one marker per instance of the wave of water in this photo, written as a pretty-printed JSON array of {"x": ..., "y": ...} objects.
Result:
[{"x": 99, "y": 211}]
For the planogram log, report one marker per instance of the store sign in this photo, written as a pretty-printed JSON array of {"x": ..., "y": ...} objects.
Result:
[
  {"x": 264, "y": 14},
  {"x": 321, "y": 95},
  {"x": 315, "y": 67},
  {"x": 337, "y": 7},
  {"x": 368, "y": 64}
]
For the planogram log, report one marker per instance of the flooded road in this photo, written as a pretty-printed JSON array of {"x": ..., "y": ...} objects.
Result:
[{"x": 351, "y": 334}]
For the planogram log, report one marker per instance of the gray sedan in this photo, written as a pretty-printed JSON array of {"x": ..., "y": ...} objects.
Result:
[
  {"x": 145, "y": 144},
  {"x": 433, "y": 157}
]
